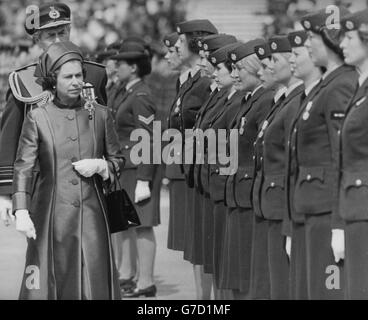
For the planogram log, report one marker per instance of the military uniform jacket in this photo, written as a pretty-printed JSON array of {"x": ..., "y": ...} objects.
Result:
[
  {"x": 15, "y": 110},
  {"x": 316, "y": 143},
  {"x": 248, "y": 121},
  {"x": 216, "y": 99},
  {"x": 190, "y": 98},
  {"x": 136, "y": 111},
  {"x": 269, "y": 198},
  {"x": 353, "y": 195}
]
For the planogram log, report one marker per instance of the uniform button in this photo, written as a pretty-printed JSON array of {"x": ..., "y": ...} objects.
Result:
[
  {"x": 74, "y": 159},
  {"x": 272, "y": 184},
  {"x": 74, "y": 182},
  {"x": 70, "y": 116},
  {"x": 339, "y": 132},
  {"x": 76, "y": 203},
  {"x": 295, "y": 130},
  {"x": 217, "y": 171},
  {"x": 358, "y": 182},
  {"x": 309, "y": 177},
  {"x": 254, "y": 143},
  {"x": 254, "y": 157},
  {"x": 246, "y": 175},
  {"x": 261, "y": 158},
  {"x": 73, "y": 138},
  {"x": 178, "y": 153},
  {"x": 126, "y": 147}
]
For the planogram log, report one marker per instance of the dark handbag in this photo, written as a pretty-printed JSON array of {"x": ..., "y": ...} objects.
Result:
[{"x": 120, "y": 209}]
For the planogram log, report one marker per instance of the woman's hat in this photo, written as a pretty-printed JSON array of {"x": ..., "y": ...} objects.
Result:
[
  {"x": 131, "y": 50},
  {"x": 243, "y": 50},
  {"x": 200, "y": 25},
  {"x": 356, "y": 21},
  {"x": 170, "y": 39},
  {"x": 56, "y": 55}
]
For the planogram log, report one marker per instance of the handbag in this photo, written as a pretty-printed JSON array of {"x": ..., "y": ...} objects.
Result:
[{"x": 121, "y": 212}]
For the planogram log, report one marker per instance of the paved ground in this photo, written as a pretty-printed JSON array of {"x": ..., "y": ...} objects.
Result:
[{"x": 174, "y": 276}]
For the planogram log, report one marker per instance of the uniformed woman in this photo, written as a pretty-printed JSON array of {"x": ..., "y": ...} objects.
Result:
[
  {"x": 69, "y": 254},
  {"x": 353, "y": 156},
  {"x": 316, "y": 153},
  {"x": 240, "y": 216},
  {"x": 175, "y": 239},
  {"x": 270, "y": 144},
  {"x": 293, "y": 225},
  {"x": 137, "y": 111}
]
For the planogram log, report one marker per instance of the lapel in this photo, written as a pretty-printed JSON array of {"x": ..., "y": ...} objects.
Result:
[
  {"x": 211, "y": 102},
  {"x": 360, "y": 96},
  {"x": 123, "y": 95}
]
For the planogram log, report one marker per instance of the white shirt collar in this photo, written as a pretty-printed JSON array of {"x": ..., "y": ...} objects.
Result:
[
  {"x": 362, "y": 78},
  {"x": 256, "y": 89},
  {"x": 232, "y": 92},
  {"x": 184, "y": 76},
  {"x": 292, "y": 87},
  {"x": 130, "y": 84},
  {"x": 279, "y": 93},
  {"x": 213, "y": 86},
  {"x": 311, "y": 86}
]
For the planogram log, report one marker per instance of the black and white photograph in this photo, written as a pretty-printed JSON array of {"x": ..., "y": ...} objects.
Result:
[{"x": 200, "y": 152}]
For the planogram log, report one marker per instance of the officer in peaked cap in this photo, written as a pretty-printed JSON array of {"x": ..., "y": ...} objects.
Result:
[
  {"x": 321, "y": 117},
  {"x": 51, "y": 23}
]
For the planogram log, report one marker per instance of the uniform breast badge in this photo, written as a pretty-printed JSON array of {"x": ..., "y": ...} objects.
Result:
[
  {"x": 242, "y": 125},
  {"x": 306, "y": 113}
]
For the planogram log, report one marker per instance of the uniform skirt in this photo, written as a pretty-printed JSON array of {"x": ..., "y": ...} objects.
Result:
[
  {"x": 148, "y": 210},
  {"x": 207, "y": 239},
  {"x": 193, "y": 250},
  {"x": 259, "y": 274},
  {"x": 356, "y": 260},
  {"x": 175, "y": 239},
  {"x": 320, "y": 259},
  {"x": 219, "y": 227},
  {"x": 298, "y": 263},
  {"x": 278, "y": 262},
  {"x": 236, "y": 258}
]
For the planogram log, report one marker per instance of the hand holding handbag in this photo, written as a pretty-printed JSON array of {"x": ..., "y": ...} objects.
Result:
[{"x": 120, "y": 209}]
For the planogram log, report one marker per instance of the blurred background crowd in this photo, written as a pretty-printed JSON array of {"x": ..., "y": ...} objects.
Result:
[{"x": 98, "y": 23}]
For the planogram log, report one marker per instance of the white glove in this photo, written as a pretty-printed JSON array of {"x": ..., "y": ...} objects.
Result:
[
  {"x": 88, "y": 167},
  {"x": 288, "y": 246},
  {"x": 24, "y": 224},
  {"x": 338, "y": 244},
  {"x": 6, "y": 210},
  {"x": 142, "y": 191}
]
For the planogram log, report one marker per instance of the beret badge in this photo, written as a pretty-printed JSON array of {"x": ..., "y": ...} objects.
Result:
[
  {"x": 307, "y": 24},
  {"x": 298, "y": 40},
  {"x": 205, "y": 46},
  {"x": 54, "y": 14},
  {"x": 167, "y": 42},
  {"x": 349, "y": 25},
  {"x": 274, "y": 46},
  {"x": 261, "y": 51},
  {"x": 233, "y": 56},
  {"x": 213, "y": 59}
]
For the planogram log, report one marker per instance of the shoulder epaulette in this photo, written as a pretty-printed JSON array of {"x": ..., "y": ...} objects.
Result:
[{"x": 95, "y": 64}]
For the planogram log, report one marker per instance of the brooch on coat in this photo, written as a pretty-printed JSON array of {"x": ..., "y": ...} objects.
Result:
[{"x": 306, "y": 113}]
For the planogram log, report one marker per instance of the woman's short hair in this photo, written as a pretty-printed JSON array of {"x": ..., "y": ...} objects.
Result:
[
  {"x": 252, "y": 64},
  {"x": 144, "y": 66},
  {"x": 332, "y": 39}
]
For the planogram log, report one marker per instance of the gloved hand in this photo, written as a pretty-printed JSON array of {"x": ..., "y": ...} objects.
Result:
[
  {"x": 6, "y": 210},
  {"x": 288, "y": 246},
  {"x": 142, "y": 191},
  {"x": 338, "y": 244},
  {"x": 88, "y": 167},
  {"x": 24, "y": 224}
]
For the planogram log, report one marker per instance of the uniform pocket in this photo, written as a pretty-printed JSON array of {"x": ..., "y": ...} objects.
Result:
[
  {"x": 314, "y": 190},
  {"x": 217, "y": 184},
  {"x": 353, "y": 204},
  {"x": 273, "y": 198},
  {"x": 243, "y": 186}
]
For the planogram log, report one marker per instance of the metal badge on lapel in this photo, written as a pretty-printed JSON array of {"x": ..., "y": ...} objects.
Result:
[
  {"x": 264, "y": 127},
  {"x": 306, "y": 113},
  {"x": 242, "y": 124}
]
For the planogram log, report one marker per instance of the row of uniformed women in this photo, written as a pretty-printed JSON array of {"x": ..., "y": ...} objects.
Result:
[{"x": 301, "y": 167}]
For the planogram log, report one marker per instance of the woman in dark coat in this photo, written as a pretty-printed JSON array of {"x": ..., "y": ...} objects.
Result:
[
  {"x": 136, "y": 115},
  {"x": 353, "y": 160},
  {"x": 69, "y": 253}
]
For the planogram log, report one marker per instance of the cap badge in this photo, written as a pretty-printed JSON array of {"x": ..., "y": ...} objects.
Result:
[
  {"x": 199, "y": 43},
  {"x": 178, "y": 29},
  {"x": 349, "y": 25},
  {"x": 273, "y": 46},
  {"x": 298, "y": 40},
  {"x": 213, "y": 59},
  {"x": 261, "y": 51},
  {"x": 233, "y": 56},
  {"x": 307, "y": 24},
  {"x": 167, "y": 42},
  {"x": 205, "y": 46},
  {"x": 54, "y": 14}
]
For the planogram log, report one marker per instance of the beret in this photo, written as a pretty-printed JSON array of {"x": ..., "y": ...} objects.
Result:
[
  {"x": 317, "y": 20},
  {"x": 297, "y": 38},
  {"x": 243, "y": 50},
  {"x": 47, "y": 16},
  {"x": 221, "y": 55},
  {"x": 279, "y": 44},
  {"x": 170, "y": 39},
  {"x": 263, "y": 51},
  {"x": 216, "y": 41},
  {"x": 356, "y": 21},
  {"x": 203, "y": 25},
  {"x": 130, "y": 50}
]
